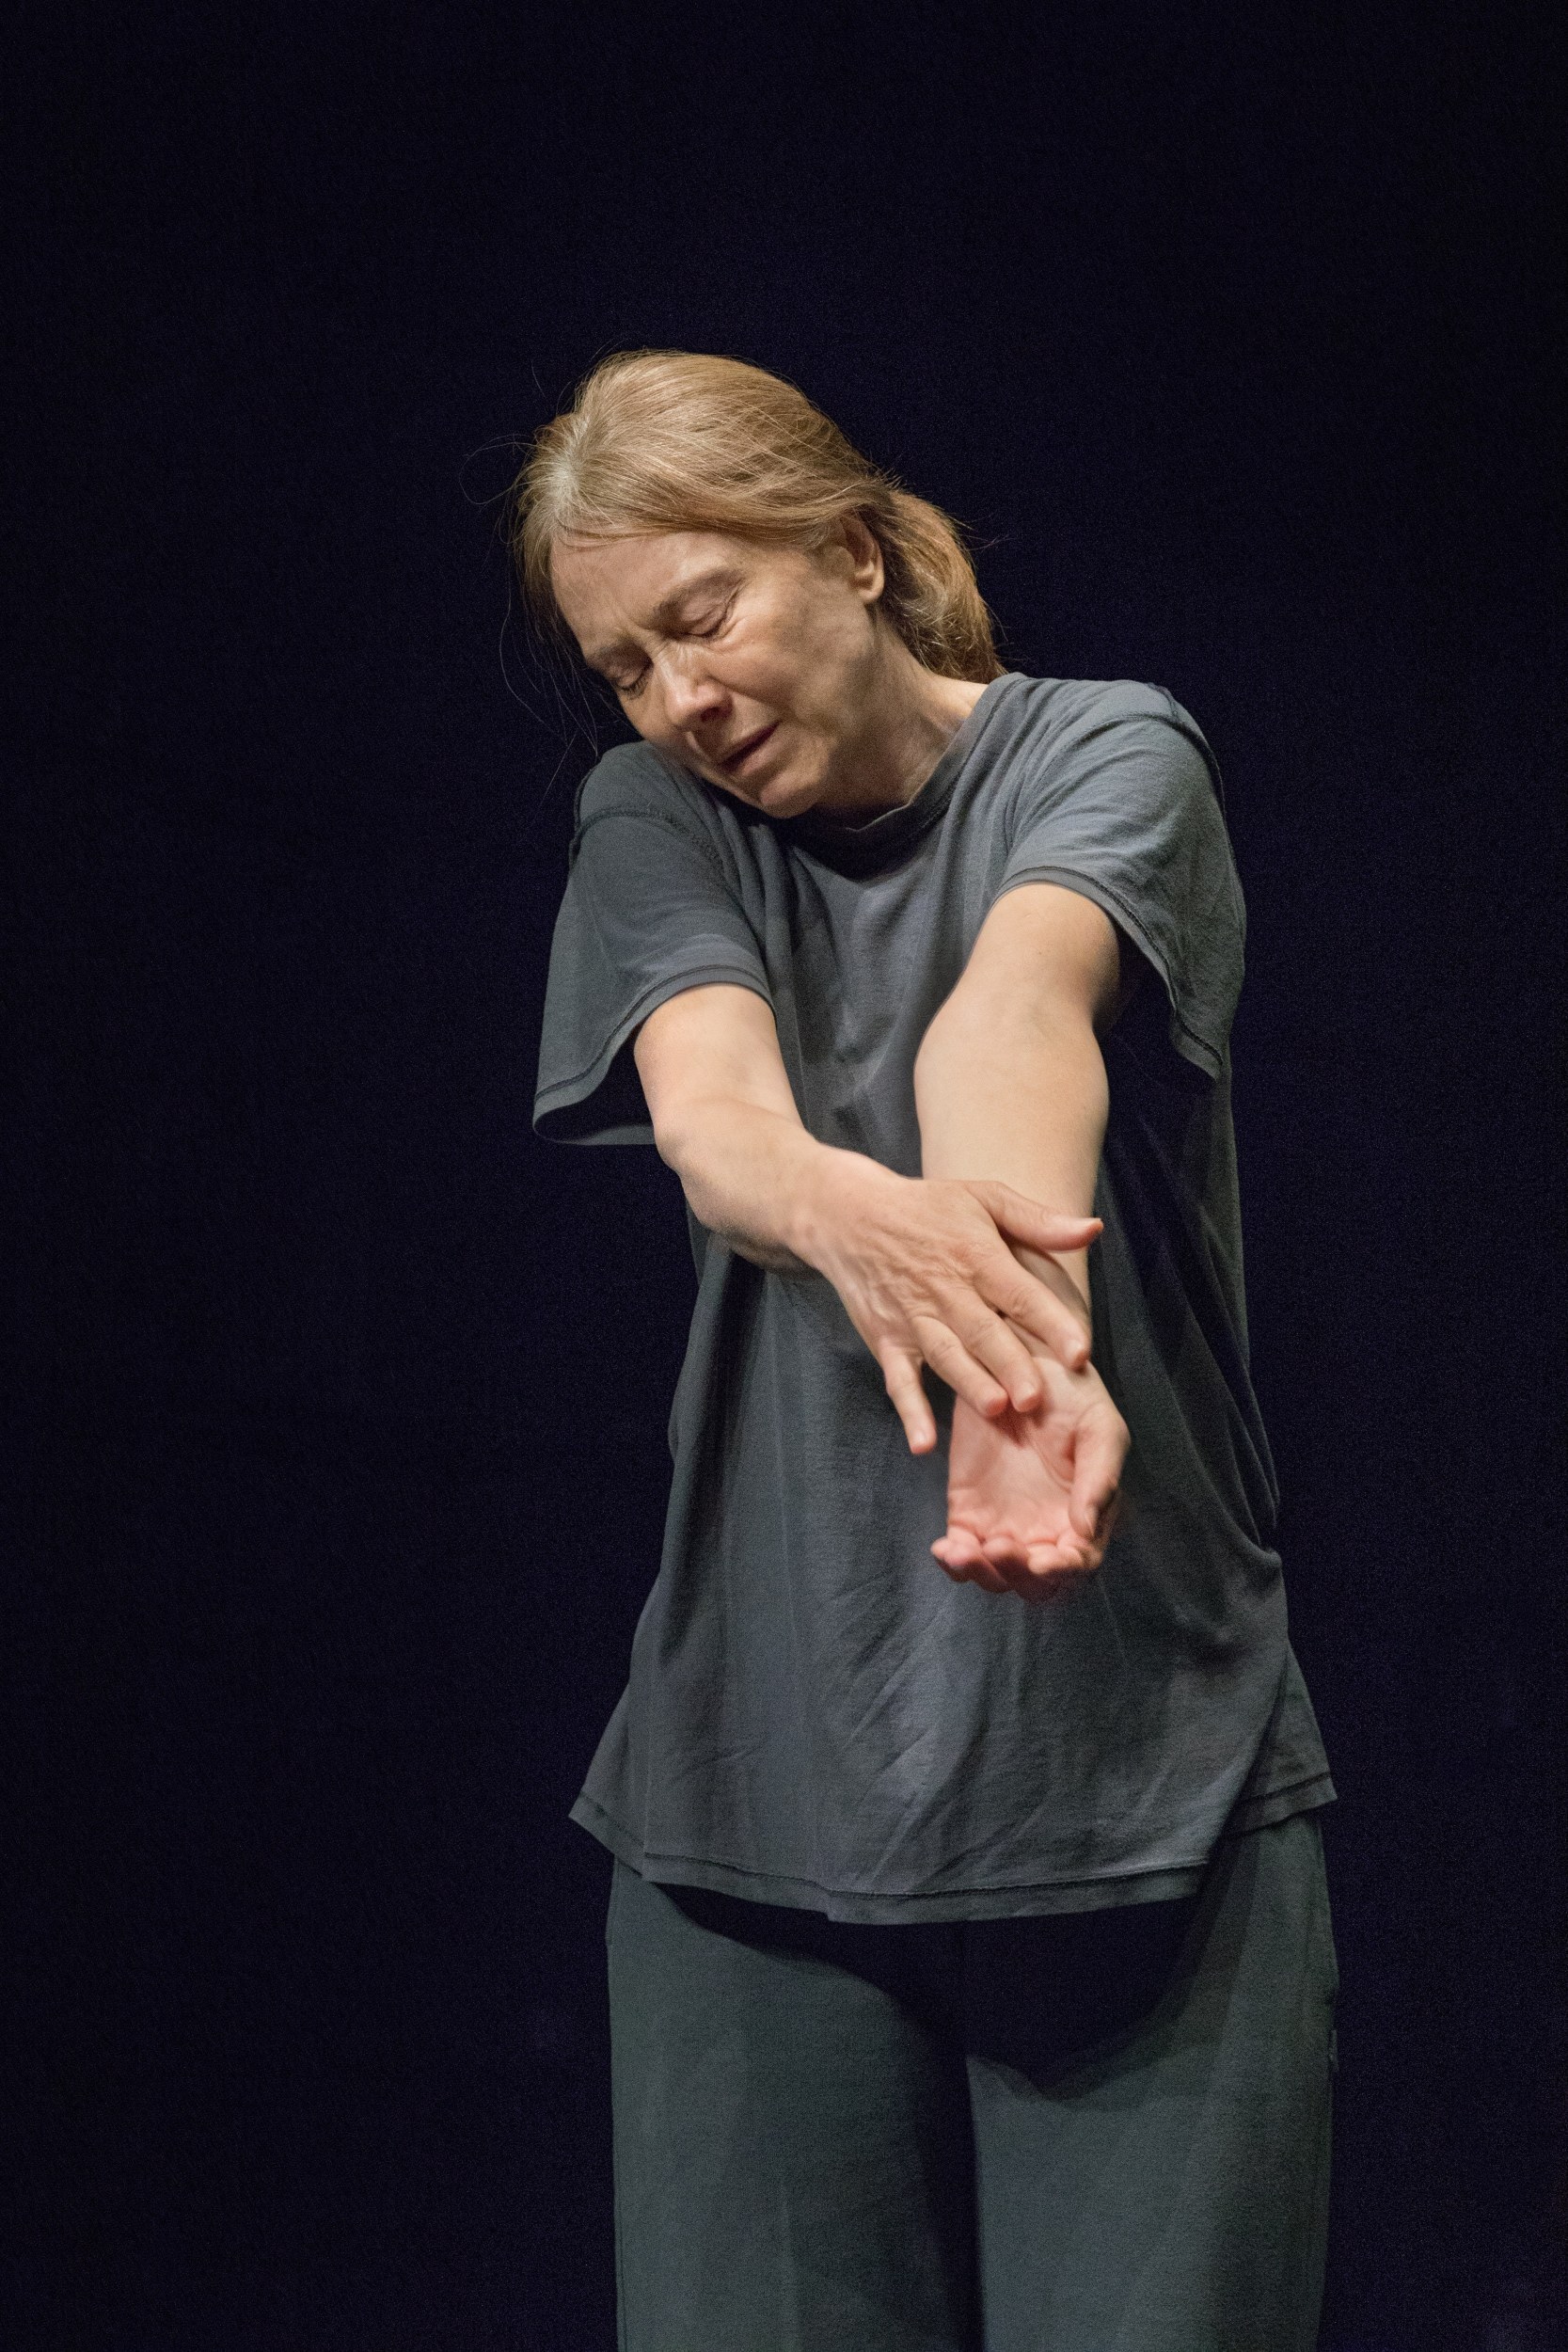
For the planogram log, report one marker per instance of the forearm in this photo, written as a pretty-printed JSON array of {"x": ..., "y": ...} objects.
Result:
[
  {"x": 922, "y": 1267},
  {"x": 1021, "y": 1097},
  {"x": 754, "y": 1176}
]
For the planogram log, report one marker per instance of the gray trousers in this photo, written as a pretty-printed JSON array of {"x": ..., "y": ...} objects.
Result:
[{"x": 1098, "y": 2132}]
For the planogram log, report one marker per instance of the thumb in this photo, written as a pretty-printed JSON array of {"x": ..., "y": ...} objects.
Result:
[
  {"x": 1030, "y": 1222},
  {"x": 1096, "y": 1479}
]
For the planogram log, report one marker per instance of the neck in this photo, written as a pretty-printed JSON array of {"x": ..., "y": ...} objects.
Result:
[{"x": 908, "y": 716}]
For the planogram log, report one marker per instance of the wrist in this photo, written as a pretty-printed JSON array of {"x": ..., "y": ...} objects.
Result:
[{"x": 829, "y": 1176}]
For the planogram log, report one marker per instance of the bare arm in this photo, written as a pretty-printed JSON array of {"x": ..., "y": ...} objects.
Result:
[
  {"x": 725, "y": 1121},
  {"x": 1009, "y": 1080},
  {"x": 1010, "y": 1084},
  {"x": 922, "y": 1265}
]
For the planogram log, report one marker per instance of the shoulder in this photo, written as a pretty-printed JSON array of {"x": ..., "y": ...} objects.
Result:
[
  {"x": 635, "y": 785},
  {"x": 1116, "y": 739},
  {"x": 1053, "y": 716},
  {"x": 634, "y": 779}
]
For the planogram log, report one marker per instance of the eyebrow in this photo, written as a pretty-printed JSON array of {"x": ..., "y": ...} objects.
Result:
[{"x": 717, "y": 575}]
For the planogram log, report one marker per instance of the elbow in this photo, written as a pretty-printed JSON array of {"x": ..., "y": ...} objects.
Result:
[
  {"x": 667, "y": 1141},
  {"x": 692, "y": 1137},
  {"x": 678, "y": 1140}
]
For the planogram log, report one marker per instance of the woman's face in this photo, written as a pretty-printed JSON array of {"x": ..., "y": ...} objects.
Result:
[{"x": 756, "y": 667}]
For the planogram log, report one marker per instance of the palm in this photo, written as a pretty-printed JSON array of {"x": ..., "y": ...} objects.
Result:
[
  {"x": 1009, "y": 1477},
  {"x": 1011, "y": 1482}
]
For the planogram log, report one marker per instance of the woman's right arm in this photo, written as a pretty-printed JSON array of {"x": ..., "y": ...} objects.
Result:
[{"x": 922, "y": 1264}]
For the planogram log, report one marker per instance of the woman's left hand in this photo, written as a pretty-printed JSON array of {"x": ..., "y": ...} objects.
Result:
[{"x": 1032, "y": 1498}]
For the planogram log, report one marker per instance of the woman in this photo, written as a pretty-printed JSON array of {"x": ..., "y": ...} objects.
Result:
[{"x": 971, "y": 1971}]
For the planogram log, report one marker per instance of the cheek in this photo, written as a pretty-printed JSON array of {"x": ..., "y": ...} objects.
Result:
[
  {"x": 811, "y": 663},
  {"x": 773, "y": 670}
]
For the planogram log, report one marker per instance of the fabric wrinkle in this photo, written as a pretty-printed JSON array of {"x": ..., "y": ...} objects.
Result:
[{"x": 815, "y": 1713}]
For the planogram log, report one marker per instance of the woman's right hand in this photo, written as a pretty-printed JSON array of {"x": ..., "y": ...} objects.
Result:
[{"x": 922, "y": 1267}]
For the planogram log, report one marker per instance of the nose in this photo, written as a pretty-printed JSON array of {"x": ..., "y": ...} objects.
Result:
[{"x": 691, "y": 693}]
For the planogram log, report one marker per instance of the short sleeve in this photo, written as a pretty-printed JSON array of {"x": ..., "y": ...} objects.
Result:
[
  {"x": 649, "y": 910},
  {"x": 1123, "y": 805}
]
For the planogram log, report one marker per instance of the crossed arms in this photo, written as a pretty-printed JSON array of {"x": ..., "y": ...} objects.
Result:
[{"x": 978, "y": 1266}]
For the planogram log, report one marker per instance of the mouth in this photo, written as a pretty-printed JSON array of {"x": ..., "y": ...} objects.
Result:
[{"x": 736, "y": 761}]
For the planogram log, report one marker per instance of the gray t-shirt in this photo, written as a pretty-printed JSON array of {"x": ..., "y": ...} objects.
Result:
[{"x": 815, "y": 1714}]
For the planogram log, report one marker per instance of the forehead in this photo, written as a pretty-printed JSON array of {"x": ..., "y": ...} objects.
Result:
[{"x": 606, "y": 586}]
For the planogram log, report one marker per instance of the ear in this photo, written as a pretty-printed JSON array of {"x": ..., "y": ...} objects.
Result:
[{"x": 868, "y": 574}]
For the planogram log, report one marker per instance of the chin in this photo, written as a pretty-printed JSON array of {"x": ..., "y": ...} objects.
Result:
[
  {"x": 788, "y": 796},
  {"x": 776, "y": 804}
]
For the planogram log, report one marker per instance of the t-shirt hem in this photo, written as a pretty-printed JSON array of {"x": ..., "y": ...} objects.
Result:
[
  {"x": 1262, "y": 1810},
  {"x": 1029, "y": 1899},
  {"x": 560, "y": 1096}
]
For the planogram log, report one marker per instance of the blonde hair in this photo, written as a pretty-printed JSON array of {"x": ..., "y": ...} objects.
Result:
[{"x": 683, "y": 440}]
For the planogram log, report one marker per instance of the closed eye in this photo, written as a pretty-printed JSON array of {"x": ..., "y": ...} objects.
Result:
[
  {"x": 628, "y": 687},
  {"x": 714, "y": 628}
]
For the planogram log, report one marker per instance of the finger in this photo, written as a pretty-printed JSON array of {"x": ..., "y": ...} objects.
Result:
[
  {"x": 1030, "y": 1222},
  {"x": 1036, "y": 1570},
  {"x": 995, "y": 1344},
  {"x": 1036, "y": 1307},
  {"x": 987, "y": 1579},
  {"x": 1054, "y": 1587},
  {"x": 907, "y": 1391},
  {"x": 1035, "y": 1587},
  {"x": 1098, "y": 1458},
  {"x": 1013, "y": 1291},
  {"x": 1049, "y": 1571},
  {"x": 1061, "y": 1558},
  {"x": 1090, "y": 1550},
  {"x": 961, "y": 1558},
  {"x": 952, "y": 1361}
]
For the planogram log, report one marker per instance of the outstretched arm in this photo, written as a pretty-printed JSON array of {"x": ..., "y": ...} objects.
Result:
[
  {"x": 1011, "y": 1084},
  {"x": 922, "y": 1264}
]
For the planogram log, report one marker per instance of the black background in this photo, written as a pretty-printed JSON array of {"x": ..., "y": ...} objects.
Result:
[{"x": 339, "y": 1412}]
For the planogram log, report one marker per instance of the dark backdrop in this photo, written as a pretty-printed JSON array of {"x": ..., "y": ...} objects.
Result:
[{"x": 339, "y": 1408}]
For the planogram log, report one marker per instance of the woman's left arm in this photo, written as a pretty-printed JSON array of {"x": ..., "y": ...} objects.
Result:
[{"x": 1010, "y": 1084}]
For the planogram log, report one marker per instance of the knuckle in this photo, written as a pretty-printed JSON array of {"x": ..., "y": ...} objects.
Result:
[
  {"x": 980, "y": 1339},
  {"x": 962, "y": 1269}
]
